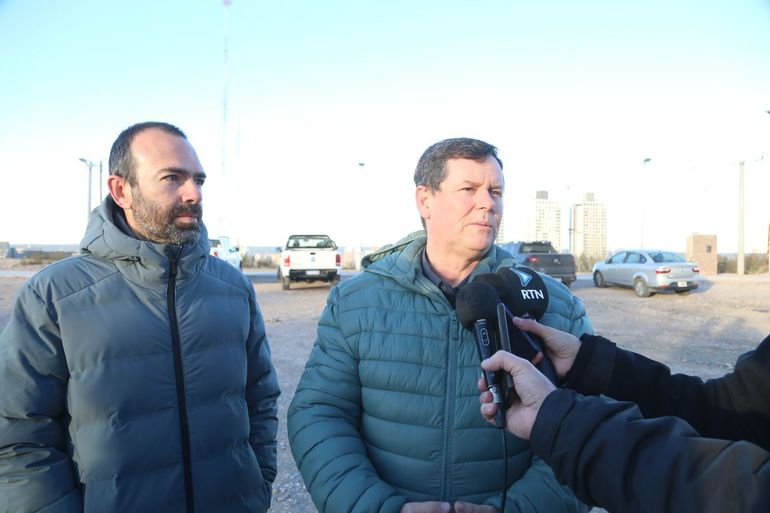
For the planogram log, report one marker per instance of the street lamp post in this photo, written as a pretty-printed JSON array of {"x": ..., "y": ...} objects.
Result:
[
  {"x": 90, "y": 165},
  {"x": 641, "y": 213},
  {"x": 101, "y": 194},
  {"x": 361, "y": 223}
]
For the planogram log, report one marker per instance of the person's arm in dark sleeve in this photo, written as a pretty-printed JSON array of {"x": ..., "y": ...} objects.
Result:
[
  {"x": 614, "y": 458},
  {"x": 36, "y": 472},
  {"x": 733, "y": 407},
  {"x": 261, "y": 396}
]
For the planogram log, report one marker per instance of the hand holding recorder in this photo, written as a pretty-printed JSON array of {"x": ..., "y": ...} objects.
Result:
[{"x": 532, "y": 387}]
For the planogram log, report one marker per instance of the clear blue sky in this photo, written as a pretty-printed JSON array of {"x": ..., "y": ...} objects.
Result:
[{"x": 574, "y": 94}]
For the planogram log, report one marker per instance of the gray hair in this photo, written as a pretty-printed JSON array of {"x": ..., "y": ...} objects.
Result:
[{"x": 431, "y": 168}]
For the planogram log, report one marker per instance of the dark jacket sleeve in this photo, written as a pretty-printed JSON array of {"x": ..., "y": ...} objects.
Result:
[
  {"x": 261, "y": 395},
  {"x": 36, "y": 471},
  {"x": 613, "y": 457},
  {"x": 734, "y": 407}
]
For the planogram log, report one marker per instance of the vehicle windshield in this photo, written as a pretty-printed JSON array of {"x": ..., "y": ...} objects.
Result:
[
  {"x": 666, "y": 256},
  {"x": 310, "y": 242}
]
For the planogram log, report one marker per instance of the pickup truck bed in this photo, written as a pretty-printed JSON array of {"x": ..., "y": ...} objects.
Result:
[{"x": 543, "y": 258}]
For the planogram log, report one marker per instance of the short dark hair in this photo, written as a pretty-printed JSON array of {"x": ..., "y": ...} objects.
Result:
[
  {"x": 121, "y": 161},
  {"x": 431, "y": 168}
]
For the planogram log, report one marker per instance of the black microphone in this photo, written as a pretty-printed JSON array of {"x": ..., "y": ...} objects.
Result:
[
  {"x": 527, "y": 297},
  {"x": 523, "y": 291},
  {"x": 516, "y": 341},
  {"x": 477, "y": 311},
  {"x": 524, "y": 294}
]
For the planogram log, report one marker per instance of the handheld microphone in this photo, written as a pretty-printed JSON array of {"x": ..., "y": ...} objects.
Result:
[
  {"x": 523, "y": 291},
  {"x": 524, "y": 294},
  {"x": 477, "y": 311},
  {"x": 509, "y": 286}
]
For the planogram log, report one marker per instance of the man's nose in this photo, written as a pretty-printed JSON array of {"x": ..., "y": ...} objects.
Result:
[
  {"x": 191, "y": 192},
  {"x": 484, "y": 199}
]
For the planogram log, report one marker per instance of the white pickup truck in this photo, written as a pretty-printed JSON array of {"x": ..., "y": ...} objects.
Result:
[{"x": 309, "y": 258}]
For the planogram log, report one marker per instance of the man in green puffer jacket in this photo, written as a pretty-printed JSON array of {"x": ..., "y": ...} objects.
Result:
[
  {"x": 385, "y": 417},
  {"x": 136, "y": 377}
]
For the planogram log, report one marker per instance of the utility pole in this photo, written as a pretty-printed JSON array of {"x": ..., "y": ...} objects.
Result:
[{"x": 768, "y": 234}]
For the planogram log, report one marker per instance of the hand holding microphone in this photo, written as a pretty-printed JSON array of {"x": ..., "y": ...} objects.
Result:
[{"x": 531, "y": 390}]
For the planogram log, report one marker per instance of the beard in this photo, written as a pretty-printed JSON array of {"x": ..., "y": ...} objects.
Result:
[{"x": 160, "y": 225}]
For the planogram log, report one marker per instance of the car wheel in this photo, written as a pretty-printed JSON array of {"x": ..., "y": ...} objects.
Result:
[
  {"x": 284, "y": 281},
  {"x": 599, "y": 280},
  {"x": 566, "y": 283},
  {"x": 641, "y": 289}
]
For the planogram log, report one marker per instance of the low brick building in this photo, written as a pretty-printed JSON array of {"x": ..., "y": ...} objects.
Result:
[{"x": 702, "y": 249}]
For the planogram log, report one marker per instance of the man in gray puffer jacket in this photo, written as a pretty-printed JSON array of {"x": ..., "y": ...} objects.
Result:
[
  {"x": 136, "y": 377},
  {"x": 385, "y": 417}
]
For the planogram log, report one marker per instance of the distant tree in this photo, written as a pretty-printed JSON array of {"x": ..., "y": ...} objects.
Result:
[{"x": 585, "y": 263}]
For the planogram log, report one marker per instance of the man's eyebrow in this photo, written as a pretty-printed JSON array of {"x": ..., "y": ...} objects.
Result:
[
  {"x": 478, "y": 184},
  {"x": 183, "y": 171}
]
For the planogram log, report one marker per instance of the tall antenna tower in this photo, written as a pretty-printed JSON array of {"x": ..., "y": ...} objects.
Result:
[{"x": 225, "y": 93}]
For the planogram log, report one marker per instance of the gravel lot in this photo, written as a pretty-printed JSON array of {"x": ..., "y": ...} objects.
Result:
[{"x": 699, "y": 333}]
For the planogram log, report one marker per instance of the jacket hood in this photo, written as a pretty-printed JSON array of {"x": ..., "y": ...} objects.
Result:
[{"x": 106, "y": 241}]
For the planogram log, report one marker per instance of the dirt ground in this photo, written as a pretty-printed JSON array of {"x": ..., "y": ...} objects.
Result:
[{"x": 699, "y": 333}]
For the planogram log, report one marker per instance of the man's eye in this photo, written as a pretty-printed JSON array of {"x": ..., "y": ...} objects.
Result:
[
  {"x": 496, "y": 194},
  {"x": 200, "y": 181},
  {"x": 171, "y": 178}
]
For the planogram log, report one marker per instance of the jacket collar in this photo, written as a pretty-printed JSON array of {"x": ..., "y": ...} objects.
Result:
[
  {"x": 402, "y": 261},
  {"x": 141, "y": 261}
]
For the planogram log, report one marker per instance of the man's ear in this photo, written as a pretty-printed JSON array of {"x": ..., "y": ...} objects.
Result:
[
  {"x": 120, "y": 190},
  {"x": 423, "y": 197}
]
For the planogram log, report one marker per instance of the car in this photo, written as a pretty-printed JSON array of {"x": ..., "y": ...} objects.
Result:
[
  {"x": 541, "y": 256},
  {"x": 221, "y": 248},
  {"x": 647, "y": 271},
  {"x": 309, "y": 258}
]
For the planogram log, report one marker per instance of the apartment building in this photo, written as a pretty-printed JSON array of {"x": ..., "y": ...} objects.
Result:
[
  {"x": 547, "y": 219},
  {"x": 588, "y": 230}
]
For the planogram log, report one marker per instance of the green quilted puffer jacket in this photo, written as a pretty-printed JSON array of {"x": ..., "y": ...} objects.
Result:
[{"x": 387, "y": 409}]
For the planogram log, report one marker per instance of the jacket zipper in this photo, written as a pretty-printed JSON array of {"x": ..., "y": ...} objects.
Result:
[
  {"x": 450, "y": 403},
  {"x": 184, "y": 430}
]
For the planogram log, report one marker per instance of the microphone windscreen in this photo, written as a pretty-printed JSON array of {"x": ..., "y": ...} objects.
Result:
[
  {"x": 524, "y": 291},
  {"x": 476, "y": 300}
]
